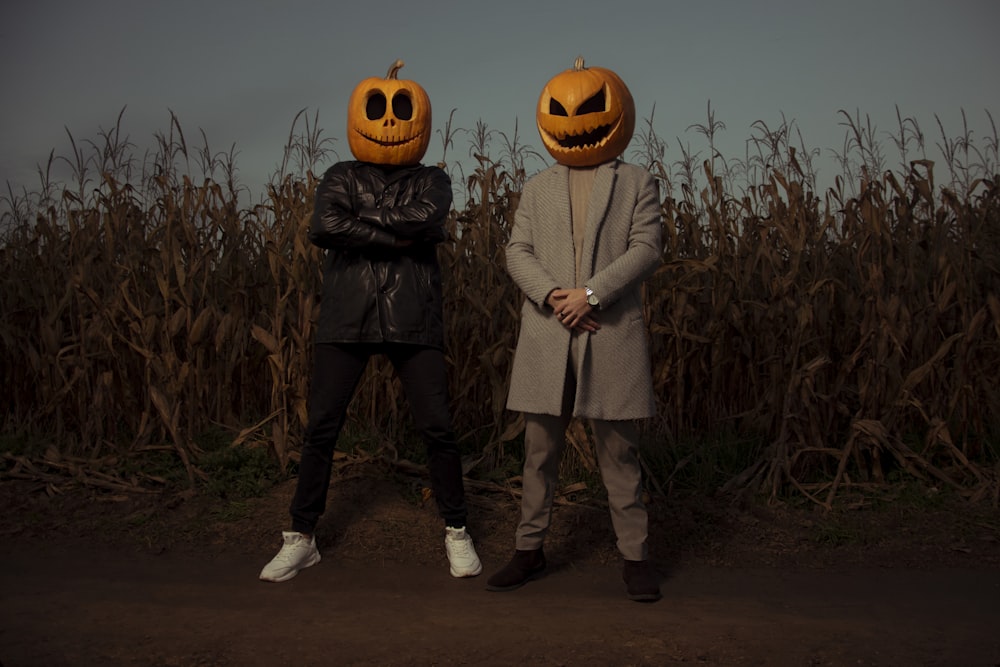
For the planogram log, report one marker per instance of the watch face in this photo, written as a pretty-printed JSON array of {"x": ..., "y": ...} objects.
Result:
[{"x": 592, "y": 299}]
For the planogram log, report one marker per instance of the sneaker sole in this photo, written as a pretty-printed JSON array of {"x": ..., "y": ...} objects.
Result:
[
  {"x": 291, "y": 573},
  {"x": 459, "y": 574}
]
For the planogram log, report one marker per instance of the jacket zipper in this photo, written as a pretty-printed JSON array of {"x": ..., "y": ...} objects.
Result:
[{"x": 379, "y": 299}]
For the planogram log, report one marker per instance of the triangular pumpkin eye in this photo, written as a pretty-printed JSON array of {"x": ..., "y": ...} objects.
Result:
[
  {"x": 402, "y": 106},
  {"x": 556, "y": 109},
  {"x": 375, "y": 106},
  {"x": 595, "y": 104}
]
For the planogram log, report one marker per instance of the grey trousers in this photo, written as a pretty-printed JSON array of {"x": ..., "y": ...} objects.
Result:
[{"x": 617, "y": 456}]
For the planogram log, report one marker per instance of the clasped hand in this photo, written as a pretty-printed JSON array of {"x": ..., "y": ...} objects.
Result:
[{"x": 572, "y": 310}]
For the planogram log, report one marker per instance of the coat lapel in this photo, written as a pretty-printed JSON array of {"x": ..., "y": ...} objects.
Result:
[
  {"x": 562, "y": 225},
  {"x": 597, "y": 209},
  {"x": 560, "y": 199}
]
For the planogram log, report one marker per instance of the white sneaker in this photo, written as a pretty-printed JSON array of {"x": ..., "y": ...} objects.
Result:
[
  {"x": 296, "y": 554},
  {"x": 461, "y": 553}
]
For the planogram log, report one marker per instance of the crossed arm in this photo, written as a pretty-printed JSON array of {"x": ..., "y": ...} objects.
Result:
[{"x": 344, "y": 219}]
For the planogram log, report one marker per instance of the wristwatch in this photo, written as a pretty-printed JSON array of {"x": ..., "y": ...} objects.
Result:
[{"x": 592, "y": 299}]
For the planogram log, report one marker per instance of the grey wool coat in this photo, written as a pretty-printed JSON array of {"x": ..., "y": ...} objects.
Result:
[{"x": 622, "y": 246}]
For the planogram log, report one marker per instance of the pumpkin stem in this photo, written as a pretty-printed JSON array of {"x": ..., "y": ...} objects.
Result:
[
  {"x": 394, "y": 69},
  {"x": 578, "y": 64}
]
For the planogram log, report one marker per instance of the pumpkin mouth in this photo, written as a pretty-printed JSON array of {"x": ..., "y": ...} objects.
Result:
[
  {"x": 592, "y": 138},
  {"x": 598, "y": 136},
  {"x": 387, "y": 142}
]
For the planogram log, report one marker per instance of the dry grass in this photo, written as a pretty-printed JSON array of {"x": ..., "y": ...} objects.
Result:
[{"x": 858, "y": 333}]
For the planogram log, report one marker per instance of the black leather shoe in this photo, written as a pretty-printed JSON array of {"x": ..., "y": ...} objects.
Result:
[
  {"x": 522, "y": 568},
  {"x": 642, "y": 582}
]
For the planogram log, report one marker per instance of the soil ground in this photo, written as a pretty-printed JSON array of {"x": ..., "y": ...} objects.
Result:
[{"x": 170, "y": 579}]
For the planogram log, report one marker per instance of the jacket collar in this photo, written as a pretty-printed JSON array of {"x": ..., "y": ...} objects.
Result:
[{"x": 392, "y": 172}]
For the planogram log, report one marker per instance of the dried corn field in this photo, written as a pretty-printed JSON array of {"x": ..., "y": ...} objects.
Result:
[{"x": 856, "y": 332}]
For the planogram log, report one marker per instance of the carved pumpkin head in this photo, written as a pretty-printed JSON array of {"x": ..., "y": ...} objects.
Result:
[
  {"x": 585, "y": 116},
  {"x": 389, "y": 120}
]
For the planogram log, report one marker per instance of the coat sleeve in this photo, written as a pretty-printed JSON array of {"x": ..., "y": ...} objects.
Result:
[
  {"x": 422, "y": 217},
  {"x": 334, "y": 223},
  {"x": 523, "y": 264},
  {"x": 644, "y": 249}
]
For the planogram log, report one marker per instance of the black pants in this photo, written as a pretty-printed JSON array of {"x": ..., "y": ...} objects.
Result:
[{"x": 337, "y": 369}]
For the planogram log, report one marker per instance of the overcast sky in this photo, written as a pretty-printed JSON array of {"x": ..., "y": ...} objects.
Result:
[{"x": 241, "y": 69}]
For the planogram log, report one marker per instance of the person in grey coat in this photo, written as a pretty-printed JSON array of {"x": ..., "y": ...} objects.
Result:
[{"x": 584, "y": 239}]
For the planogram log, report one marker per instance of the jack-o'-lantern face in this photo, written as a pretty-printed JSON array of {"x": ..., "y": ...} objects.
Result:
[
  {"x": 389, "y": 120},
  {"x": 585, "y": 116}
]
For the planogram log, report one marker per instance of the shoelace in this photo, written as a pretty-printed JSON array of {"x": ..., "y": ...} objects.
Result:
[
  {"x": 285, "y": 554},
  {"x": 460, "y": 547}
]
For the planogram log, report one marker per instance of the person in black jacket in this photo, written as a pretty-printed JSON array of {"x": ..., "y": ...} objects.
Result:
[{"x": 379, "y": 218}]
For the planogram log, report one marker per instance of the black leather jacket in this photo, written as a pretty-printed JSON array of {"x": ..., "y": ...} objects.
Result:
[{"x": 381, "y": 277}]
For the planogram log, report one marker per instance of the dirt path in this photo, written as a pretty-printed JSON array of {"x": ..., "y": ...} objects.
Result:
[
  {"x": 94, "y": 607},
  {"x": 92, "y": 578}
]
